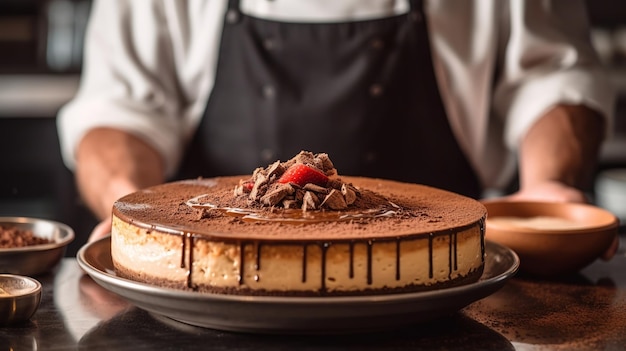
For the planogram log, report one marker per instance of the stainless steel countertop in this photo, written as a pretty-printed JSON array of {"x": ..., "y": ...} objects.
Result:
[{"x": 586, "y": 311}]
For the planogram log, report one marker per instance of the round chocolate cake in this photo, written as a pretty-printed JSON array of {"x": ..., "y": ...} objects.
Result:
[{"x": 296, "y": 228}]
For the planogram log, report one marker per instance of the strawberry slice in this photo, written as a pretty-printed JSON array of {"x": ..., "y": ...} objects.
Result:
[
  {"x": 302, "y": 174},
  {"x": 246, "y": 185}
]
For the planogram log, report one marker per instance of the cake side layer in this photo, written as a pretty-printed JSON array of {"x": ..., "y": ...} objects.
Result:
[
  {"x": 421, "y": 210},
  {"x": 336, "y": 267}
]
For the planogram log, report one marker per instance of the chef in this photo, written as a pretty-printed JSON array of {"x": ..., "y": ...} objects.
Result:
[{"x": 453, "y": 94}]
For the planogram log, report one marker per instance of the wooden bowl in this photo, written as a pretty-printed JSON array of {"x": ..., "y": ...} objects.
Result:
[{"x": 551, "y": 239}]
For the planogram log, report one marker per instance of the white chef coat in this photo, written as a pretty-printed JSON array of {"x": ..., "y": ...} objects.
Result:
[{"x": 149, "y": 67}]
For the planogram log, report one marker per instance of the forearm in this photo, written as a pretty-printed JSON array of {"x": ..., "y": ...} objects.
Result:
[
  {"x": 562, "y": 146},
  {"x": 110, "y": 164}
]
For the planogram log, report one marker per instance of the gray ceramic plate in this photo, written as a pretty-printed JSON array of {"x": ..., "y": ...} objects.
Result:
[
  {"x": 35, "y": 259},
  {"x": 269, "y": 314}
]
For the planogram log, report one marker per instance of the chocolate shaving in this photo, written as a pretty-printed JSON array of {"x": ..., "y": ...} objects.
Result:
[
  {"x": 277, "y": 194},
  {"x": 290, "y": 203},
  {"x": 275, "y": 169},
  {"x": 259, "y": 188},
  {"x": 310, "y": 201},
  {"x": 349, "y": 193},
  {"x": 335, "y": 200},
  {"x": 316, "y": 188}
]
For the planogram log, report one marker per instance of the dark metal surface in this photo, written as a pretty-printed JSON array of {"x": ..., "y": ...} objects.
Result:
[{"x": 586, "y": 311}]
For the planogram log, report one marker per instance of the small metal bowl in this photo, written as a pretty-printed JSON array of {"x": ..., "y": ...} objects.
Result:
[
  {"x": 19, "y": 298},
  {"x": 35, "y": 259}
]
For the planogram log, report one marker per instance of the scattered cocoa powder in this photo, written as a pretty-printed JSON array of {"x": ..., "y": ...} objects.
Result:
[
  {"x": 12, "y": 237},
  {"x": 558, "y": 315}
]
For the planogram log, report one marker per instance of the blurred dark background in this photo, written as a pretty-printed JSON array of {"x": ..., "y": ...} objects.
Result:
[{"x": 40, "y": 61}]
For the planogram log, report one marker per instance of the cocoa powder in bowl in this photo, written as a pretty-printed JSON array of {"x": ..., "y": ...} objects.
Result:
[{"x": 12, "y": 237}]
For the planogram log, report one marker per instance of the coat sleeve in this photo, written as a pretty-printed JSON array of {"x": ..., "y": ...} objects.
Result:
[
  {"x": 548, "y": 60},
  {"x": 128, "y": 80}
]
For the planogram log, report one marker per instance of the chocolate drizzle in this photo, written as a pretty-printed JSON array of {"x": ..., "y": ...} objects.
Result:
[
  {"x": 294, "y": 216},
  {"x": 454, "y": 245},
  {"x": 188, "y": 242},
  {"x": 430, "y": 255},
  {"x": 242, "y": 261},
  {"x": 324, "y": 247},
  {"x": 351, "y": 269},
  {"x": 398, "y": 258},
  {"x": 369, "y": 262},
  {"x": 304, "y": 260},
  {"x": 183, "y": 247},
  {"x": 186, "y": 260},
  {"x": 257, "y": 264},
  {"x": 450, "y": 255},
  {"x": 481, "y": 224}
]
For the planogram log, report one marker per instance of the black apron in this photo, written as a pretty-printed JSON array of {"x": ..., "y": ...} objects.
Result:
[{"x": 364, "y": 92}]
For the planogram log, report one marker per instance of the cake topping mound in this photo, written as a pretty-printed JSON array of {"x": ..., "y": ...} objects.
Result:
[
  {"x": 307, "y": 181},
  {"x": 306, "y": 188}
]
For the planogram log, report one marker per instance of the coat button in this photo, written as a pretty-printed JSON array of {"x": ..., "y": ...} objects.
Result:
[
  {"x": 269, "y": 44},
  {"x": 377, "y": 44},
  {"x": 370, "y": 157},
  {"x": 376, "y": 90},
  {"x": 269, "y": 92},
  {"x": 415, "y": 16},
  {"x": 232, "y": 16},
  {"x": 267, "y": 155}
]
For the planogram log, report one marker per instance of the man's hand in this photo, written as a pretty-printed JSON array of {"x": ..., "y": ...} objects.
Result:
[
  {"x": 111, "y": 163},
  {"x": 101, "y": 230},
  {"x": 558, "y": 157},
  {"x": 549, "y": 191},
  {"x": 561, "y": 147}
]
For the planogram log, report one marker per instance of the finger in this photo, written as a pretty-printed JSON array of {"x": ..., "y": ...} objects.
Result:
[
  {"x": 612, "y": 250},
  {"x": 101, "y": 230}
]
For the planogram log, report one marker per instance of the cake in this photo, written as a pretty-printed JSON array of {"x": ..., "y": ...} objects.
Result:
[{"x": 297, "y": 228}]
